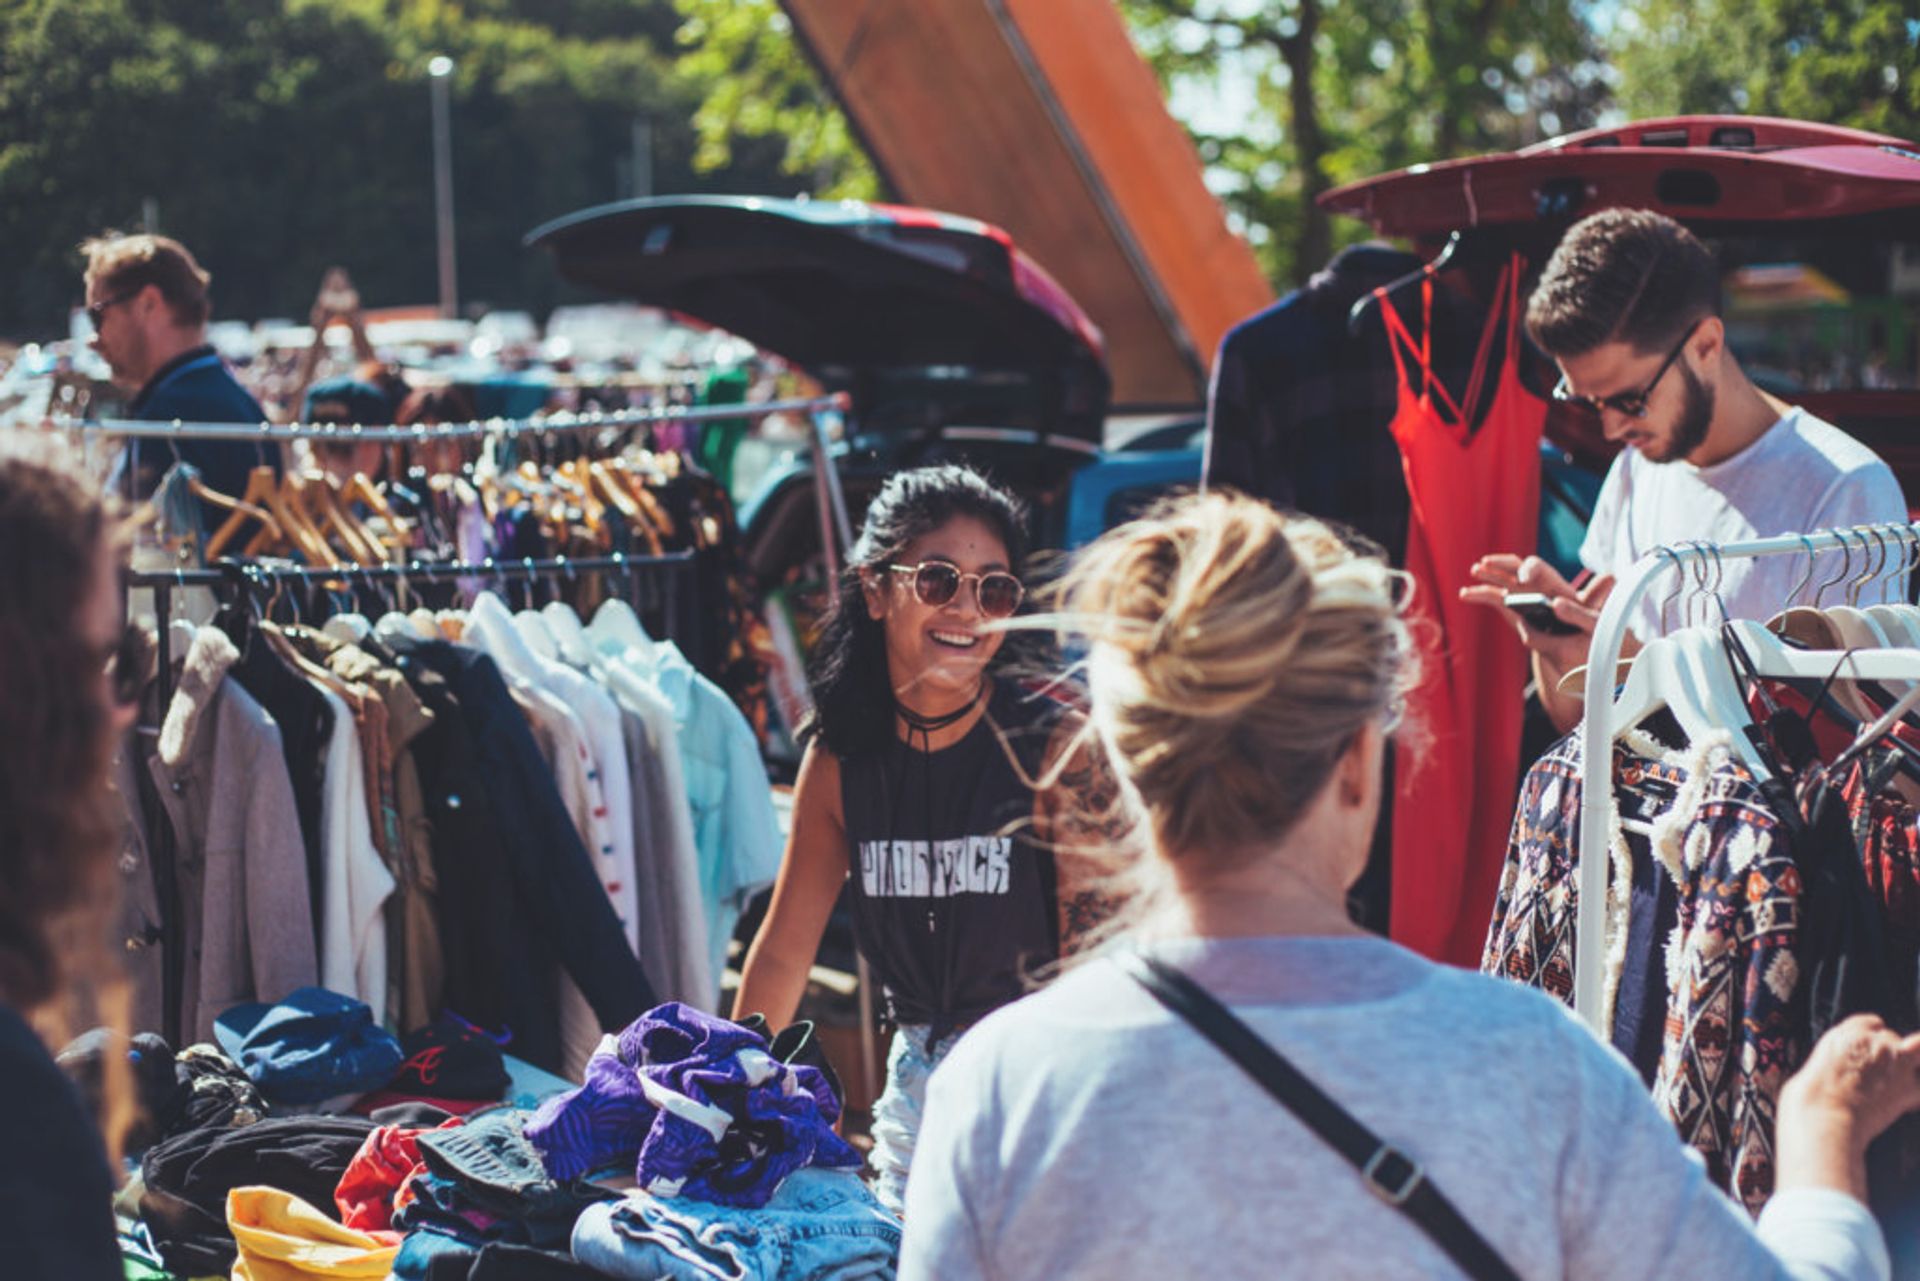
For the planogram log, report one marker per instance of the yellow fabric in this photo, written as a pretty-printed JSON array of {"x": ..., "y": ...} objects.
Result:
[{"x": 282, "y": 1238}]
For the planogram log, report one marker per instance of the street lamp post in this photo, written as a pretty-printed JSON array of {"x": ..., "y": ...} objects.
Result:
[{"x": 439, "y": 73}]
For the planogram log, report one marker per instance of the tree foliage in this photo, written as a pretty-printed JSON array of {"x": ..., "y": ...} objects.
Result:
[
  {"x": 1343, "y": 91},
  {"x": 278, "y": 136},
  {"x": 1843, "y": 62},
  {"x": 759, "y": 85},
  {"x": 275, "y": 137}
]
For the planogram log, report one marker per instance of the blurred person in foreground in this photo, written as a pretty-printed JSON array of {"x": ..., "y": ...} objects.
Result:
[
  {"x": 69, "y": 676},
  {"x": 148, "y": 300},
  {"x": 1245, "y": 672}
]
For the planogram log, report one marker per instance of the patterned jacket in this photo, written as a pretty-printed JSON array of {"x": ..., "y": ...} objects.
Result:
[{"x": 1733, "y": 1034}]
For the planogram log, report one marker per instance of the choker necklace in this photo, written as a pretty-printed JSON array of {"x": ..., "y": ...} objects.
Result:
[{"x": 927, "y": 725}]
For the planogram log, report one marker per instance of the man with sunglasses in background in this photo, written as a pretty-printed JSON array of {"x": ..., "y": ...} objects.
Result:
[
  {"x": 147, "y": 299},
  {"x": 1629, "y": 308}
]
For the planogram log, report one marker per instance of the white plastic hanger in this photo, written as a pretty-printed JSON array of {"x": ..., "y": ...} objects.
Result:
[
  {"x": 569, "y": 633},
  {"x": 616, "y": 627},
  {"x": 1773, "y": 657},
  {"x": 1899, "y": 620},
  {"x": 534, "y": 630}
]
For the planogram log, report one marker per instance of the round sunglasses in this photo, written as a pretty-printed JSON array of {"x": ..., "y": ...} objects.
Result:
[{"x": 936, "y": 583}]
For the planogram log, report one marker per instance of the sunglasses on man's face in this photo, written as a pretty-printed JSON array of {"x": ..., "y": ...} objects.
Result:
[
  {"x": 1631, "y": 403},
  {"x": 97, "y": 311},
  {"x": 936, "y": 583}
]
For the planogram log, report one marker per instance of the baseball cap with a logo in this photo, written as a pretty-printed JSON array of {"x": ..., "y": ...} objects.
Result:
[{"x": 449, "y": 1062}]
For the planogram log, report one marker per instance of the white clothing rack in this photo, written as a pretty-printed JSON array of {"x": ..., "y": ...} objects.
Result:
[
  {"x": 355, "y": 433},
  {"x": 1596, "y": 734}
]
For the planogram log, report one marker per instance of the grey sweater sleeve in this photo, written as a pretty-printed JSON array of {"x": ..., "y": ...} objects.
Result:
[{"x": 1635, "y": 1202}]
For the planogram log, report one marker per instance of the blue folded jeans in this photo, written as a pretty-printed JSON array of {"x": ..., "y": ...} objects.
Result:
[{"x": 821, "y": 1225}]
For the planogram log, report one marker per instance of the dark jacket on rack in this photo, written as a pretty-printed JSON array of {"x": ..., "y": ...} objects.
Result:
[
  {"x": 1298, "y": 410},
  {"x": 518, "y": 894}
]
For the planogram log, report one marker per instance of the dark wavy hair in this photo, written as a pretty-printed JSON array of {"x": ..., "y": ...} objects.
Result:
[
  {"x": 59, "y": 888},
  {"x": 852, "y": 693}
]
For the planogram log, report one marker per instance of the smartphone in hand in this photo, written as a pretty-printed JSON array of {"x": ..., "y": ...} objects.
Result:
[{"x": 1536, "y": 610}]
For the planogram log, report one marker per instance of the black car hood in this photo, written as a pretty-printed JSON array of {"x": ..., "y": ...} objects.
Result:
[{"x": 890, "y": 303}]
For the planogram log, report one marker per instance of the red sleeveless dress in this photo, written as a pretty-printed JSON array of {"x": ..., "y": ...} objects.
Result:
[{"x": 1473, "y": 492}]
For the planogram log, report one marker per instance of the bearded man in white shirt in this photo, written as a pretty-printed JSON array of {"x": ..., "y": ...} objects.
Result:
[{"x": 1629, "y": 308}]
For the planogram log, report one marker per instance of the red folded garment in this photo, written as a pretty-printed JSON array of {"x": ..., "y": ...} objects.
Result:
[{"x": 385, "y": 1161}]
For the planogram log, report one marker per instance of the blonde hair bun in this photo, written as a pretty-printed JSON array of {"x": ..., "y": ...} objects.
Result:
[{"x": 1234, "y": 653}]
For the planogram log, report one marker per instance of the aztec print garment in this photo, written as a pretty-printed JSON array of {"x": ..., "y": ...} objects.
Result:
[{"x": 1733, "y": 1032}]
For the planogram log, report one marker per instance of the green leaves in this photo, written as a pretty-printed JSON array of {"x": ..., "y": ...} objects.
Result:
[{"x": 280, "y": 136}]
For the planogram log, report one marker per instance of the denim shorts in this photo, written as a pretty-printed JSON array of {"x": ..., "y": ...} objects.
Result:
[{"x": 897, "y": 1113}]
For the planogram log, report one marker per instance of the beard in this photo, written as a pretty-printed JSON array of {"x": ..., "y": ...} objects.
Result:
[{"x": 1696, "y": 415}]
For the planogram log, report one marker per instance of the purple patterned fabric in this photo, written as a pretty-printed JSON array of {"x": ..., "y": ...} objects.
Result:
[{"x": 699, "y": 1105}]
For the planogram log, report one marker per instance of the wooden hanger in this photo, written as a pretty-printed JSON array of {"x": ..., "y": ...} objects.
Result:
[
  {"x": 308, "y": 494},
  {"x": 242, "y": 510},
  {"x": 286, "y": 501},
  {"x": 256, "y": 498},
  {"x": 361, "y": 541}
]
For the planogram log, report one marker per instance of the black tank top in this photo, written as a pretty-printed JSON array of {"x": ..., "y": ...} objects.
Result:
[{"x": 953, "y": 897}]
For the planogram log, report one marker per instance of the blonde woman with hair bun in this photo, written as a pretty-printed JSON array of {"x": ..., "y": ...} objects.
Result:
[{"x": 1245, "y": 671}]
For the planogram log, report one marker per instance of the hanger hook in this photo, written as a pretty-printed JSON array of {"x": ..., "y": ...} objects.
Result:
[
  {"x": 1882, "y": 554},
  {"x": 1719, "y": 581},
  {"x": 1709, "y": 586},
  {"x": 1806, "y": 579},
  {"x": 1855, "y": 582},
  {"x": 1828, "y": 584},
  {"x": 1680, "y": 574},
  {"x": 1693, "y": 571}
]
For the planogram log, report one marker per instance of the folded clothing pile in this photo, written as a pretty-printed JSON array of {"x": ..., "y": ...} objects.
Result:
[
  {"x": 697, "y": 1107},
  {"x": 819, "y": 1224},
  {"x": 187, "y": 1179},
  {"x": 482, "y": 1183}
]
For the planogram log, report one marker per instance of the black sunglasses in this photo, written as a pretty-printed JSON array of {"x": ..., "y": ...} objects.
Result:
[
  {"x": 126, "y": 663},
  {"x": 1631, "y": 403},
  {"x": 935, "y": 583},
  {"x": 97, "y": 311}
]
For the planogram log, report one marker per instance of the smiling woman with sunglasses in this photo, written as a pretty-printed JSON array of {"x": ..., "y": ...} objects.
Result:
[
  {"x": 63, "y": 707},
  {"x": 924, "y": 791}
]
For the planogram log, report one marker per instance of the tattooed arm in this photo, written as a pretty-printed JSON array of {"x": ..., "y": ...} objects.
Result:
[{"x": 1081, "y": 818}]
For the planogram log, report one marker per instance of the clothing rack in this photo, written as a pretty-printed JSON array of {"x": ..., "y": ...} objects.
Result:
[
  {"x": 235, "y": 574},
  {"x": 1596, "y": 734},
  {"x": 356, "y": 433}
]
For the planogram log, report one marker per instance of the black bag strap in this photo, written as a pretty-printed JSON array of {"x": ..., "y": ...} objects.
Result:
[{"x": 1393, "y": 1176}]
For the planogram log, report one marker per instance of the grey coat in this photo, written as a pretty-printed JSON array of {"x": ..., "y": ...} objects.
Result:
[{"x": 246, "y": 914}]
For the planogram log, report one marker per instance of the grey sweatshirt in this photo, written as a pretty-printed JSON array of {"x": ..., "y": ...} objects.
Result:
[{"x": 1086, "y": 1132}]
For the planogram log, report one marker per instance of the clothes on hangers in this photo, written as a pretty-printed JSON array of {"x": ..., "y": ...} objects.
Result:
[
  {"x": 1744, "y": 918},
  {"x": 245, "y": 901},
  {"x": 1298, "y": 407},
  {"x": 1453, "y": 797},
  {"x": 735, "y": 833},
  {"x": 675, "y": 941}
]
